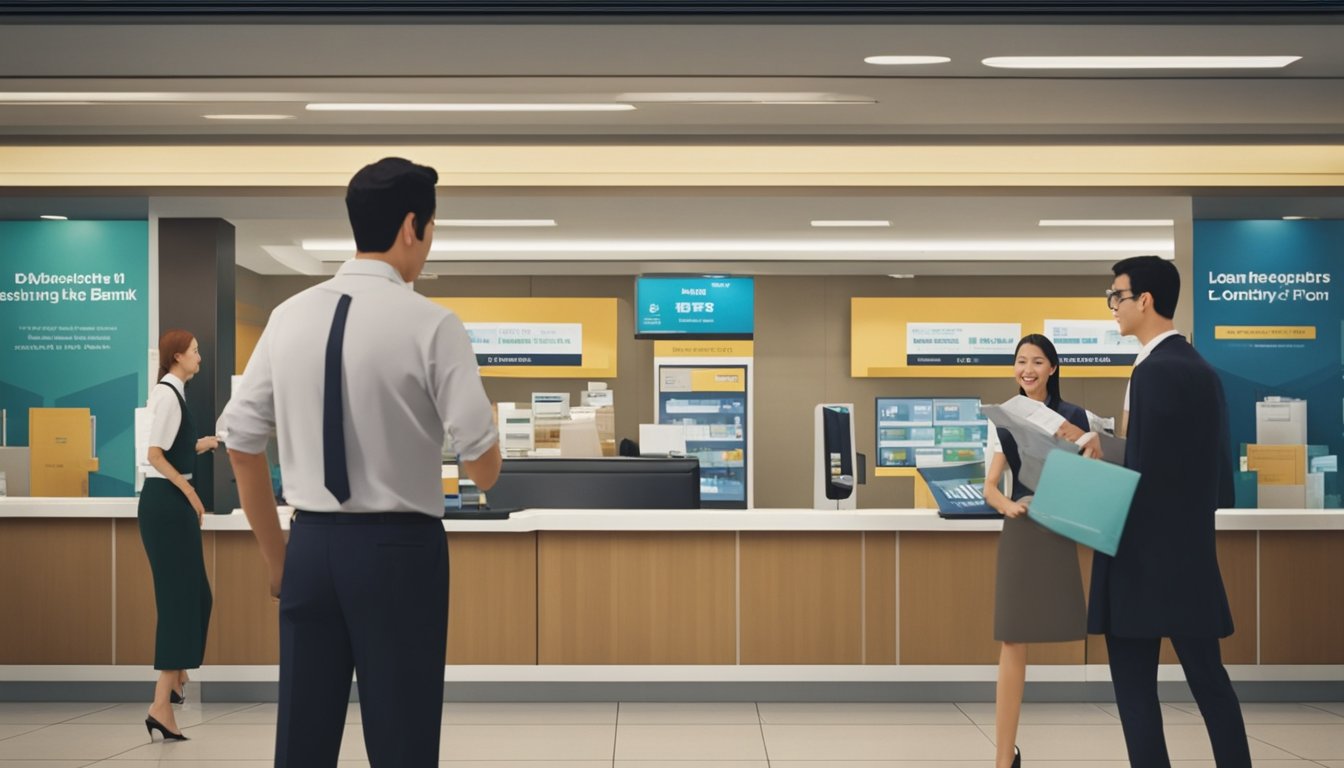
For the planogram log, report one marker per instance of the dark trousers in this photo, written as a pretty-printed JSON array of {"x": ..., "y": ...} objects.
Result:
[
  {"x": 1134, "y": 674},
  {"x": 364, "y": 593}
]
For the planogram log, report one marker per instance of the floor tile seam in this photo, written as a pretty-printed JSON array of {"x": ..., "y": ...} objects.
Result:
[
  {"x": 235, "y": 712},
  {"x": 1249, "y": 737},
  {"x": 25, "y": 733},
  {"x": 1316, "y": 706},
  {"x": 760, "y": 724},
  {"x": 964, "y": 713}
]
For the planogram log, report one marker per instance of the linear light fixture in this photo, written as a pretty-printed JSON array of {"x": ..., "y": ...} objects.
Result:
[
  {"x": 851, "y": 223},
  {"x": 904, "y": 61},
  {"x": 1139, "y": 62},
  {"x": 748, "y": 98},
  {"x": 789, "y": 250},
  {"x": 1108, "y": 222},
  {"x": 1299, "y": 218},
  {"x": 427, "y": 106},
  {"x": 248, "y": 117},
  {"x": 494, "y": 222},
  {"x": 54, "y": 217}
]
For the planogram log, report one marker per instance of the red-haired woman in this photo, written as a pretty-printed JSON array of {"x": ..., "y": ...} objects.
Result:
[{"x": 170, "y": 515}]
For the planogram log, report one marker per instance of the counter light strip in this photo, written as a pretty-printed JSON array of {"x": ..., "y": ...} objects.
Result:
[
  {"x": 737, "y": 595},
  {"x": 114, "y": 590},
  {"x": 863, "y": 597},
  {"x": 896, "y": 577},
  {"x": 1259, "y": 646}
]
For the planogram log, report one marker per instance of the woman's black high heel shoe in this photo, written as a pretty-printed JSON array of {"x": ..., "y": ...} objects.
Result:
[
  {"x": 1017, "y": 758},
  {"x": 178, "y": 698},
  {"x": 151, "y": 724}
]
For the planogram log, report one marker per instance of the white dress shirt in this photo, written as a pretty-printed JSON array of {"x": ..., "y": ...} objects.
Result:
[
  {"x": 409, "y": 373},
  {"x": 165, "y": 418},
  {"x": 1144, "y": 353}
]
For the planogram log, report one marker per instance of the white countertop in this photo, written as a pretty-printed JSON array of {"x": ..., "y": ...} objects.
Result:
[{"x": 680, "y": 519}]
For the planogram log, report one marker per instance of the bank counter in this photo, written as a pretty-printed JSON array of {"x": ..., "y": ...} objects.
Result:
[{"x": 632, "y": 595}]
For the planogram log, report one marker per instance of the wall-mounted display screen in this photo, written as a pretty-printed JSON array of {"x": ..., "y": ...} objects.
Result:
[
  {"x": 694, "y": 307},
  {"x": 930, "y": 431}
]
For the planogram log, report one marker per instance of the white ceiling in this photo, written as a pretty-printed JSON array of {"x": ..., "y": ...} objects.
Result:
[{"x": 172, "y": 74}]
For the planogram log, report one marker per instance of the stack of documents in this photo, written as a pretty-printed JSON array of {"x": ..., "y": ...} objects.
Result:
[{"x": 1033, "y": 426}]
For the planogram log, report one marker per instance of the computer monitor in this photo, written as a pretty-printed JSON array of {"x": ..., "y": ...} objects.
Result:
[
  {"x": 606, "y": 483},
  {"x": 930, "y": 431}
]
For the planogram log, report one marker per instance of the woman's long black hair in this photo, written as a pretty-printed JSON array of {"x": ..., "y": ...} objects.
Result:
[{"x": 1048, "y": 347}]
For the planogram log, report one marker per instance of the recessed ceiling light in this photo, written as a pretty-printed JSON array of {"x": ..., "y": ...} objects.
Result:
[
  {"x": 850, "y": 223},
  {"x": 899, "y": 61},
  {"x": 902, "y": 277},
  {"x": 494, "y": 222},
  {"x": 54, "y": 217},
  {"x": 1139, "y": 62},
  {"x": 1299, "y": 218},
  {"x": 375, "y": 106},
  {"x": 1108, "y": 222},
  {"x": 248, "y": 117}
]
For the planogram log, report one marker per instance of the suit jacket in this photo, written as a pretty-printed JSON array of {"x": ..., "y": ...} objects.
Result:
[{"x": 1164, "y": 580}]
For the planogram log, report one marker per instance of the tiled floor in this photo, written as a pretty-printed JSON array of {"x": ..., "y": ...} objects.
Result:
[{"x": 629, "y": 735}]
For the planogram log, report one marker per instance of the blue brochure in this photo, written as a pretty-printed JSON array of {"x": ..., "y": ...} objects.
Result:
[
  {"x": 959, "y": 490},
  {"x": 1084, "y": 500}
]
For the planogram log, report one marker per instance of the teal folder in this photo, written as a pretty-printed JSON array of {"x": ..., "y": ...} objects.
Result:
[{"x": 1084, "y": 499}]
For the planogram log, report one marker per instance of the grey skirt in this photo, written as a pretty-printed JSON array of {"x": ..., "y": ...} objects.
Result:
[{"x": 1038, "y": 591}]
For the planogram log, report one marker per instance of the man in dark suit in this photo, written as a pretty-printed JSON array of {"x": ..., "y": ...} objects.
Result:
[{"x": 1164, "y": 580}]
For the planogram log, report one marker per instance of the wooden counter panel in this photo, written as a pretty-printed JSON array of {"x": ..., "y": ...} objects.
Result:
[
  {"x": 879, "y": 598},
  {"x": 947, "y": 598},
  {"x": 1301, "y": 594},
  {"x": 635, "y": 598},
  {"x": 135, "y": 612},
  {"x": 492, "y": 598},
  {"x": 57, "y": 595},
  {"x": 245, "y": 627},
  {"x": 801, "y": 598},
  {"x": 1237, "y": 562}
]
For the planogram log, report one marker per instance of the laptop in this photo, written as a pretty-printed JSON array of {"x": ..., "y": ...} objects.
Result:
[{"x": 959, "y": 491}]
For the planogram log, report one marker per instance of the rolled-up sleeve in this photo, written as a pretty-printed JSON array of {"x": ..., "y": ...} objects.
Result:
[
  {"x": 249, "y": 419},
  {"x": 458, "y": 391}
]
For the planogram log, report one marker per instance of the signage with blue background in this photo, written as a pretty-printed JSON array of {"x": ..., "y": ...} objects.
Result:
[
  {"x": 74, "y": 332},
  {"x": 695, "y": 307},
  {"x": 1269, "y": 317}
]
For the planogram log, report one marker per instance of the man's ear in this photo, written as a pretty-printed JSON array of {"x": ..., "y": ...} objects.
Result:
[{"x": 408, "y": 230}]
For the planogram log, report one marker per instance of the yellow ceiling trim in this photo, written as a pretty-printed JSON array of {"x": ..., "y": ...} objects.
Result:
[{"x": 604, "y": 166}]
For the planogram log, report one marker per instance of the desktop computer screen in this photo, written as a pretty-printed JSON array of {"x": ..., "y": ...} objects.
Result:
[{"x": 930, "y": 431}]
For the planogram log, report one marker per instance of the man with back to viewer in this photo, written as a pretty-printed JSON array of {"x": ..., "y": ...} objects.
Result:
[{"x": 360, "y": 376}]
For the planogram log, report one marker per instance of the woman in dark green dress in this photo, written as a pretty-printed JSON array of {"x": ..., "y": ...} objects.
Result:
[{"x": 170, "y": 515}]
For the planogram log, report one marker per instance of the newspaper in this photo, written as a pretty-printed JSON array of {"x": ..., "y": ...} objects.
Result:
[{"x": 1033, "y": 427}]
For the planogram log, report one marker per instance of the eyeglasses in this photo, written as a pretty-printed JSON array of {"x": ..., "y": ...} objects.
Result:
[{"x": 1113, "y": 297}]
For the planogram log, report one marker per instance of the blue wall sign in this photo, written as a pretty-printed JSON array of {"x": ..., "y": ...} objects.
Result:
[{"x": 695, "y": 307}]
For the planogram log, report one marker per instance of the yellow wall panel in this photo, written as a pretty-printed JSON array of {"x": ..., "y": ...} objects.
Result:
[{"x": 878, "y": 332}]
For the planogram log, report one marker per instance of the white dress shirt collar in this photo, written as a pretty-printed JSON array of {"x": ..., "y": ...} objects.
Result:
[
  {"x": 176, "y": 383},
  {"x": 1152, "y": 344},
  {"x": 371, "y": 268}
]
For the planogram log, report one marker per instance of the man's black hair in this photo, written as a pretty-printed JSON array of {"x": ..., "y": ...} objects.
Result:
[
  {"x": 380, "y": 196},
  {"x": 1154, "y": 275}
]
